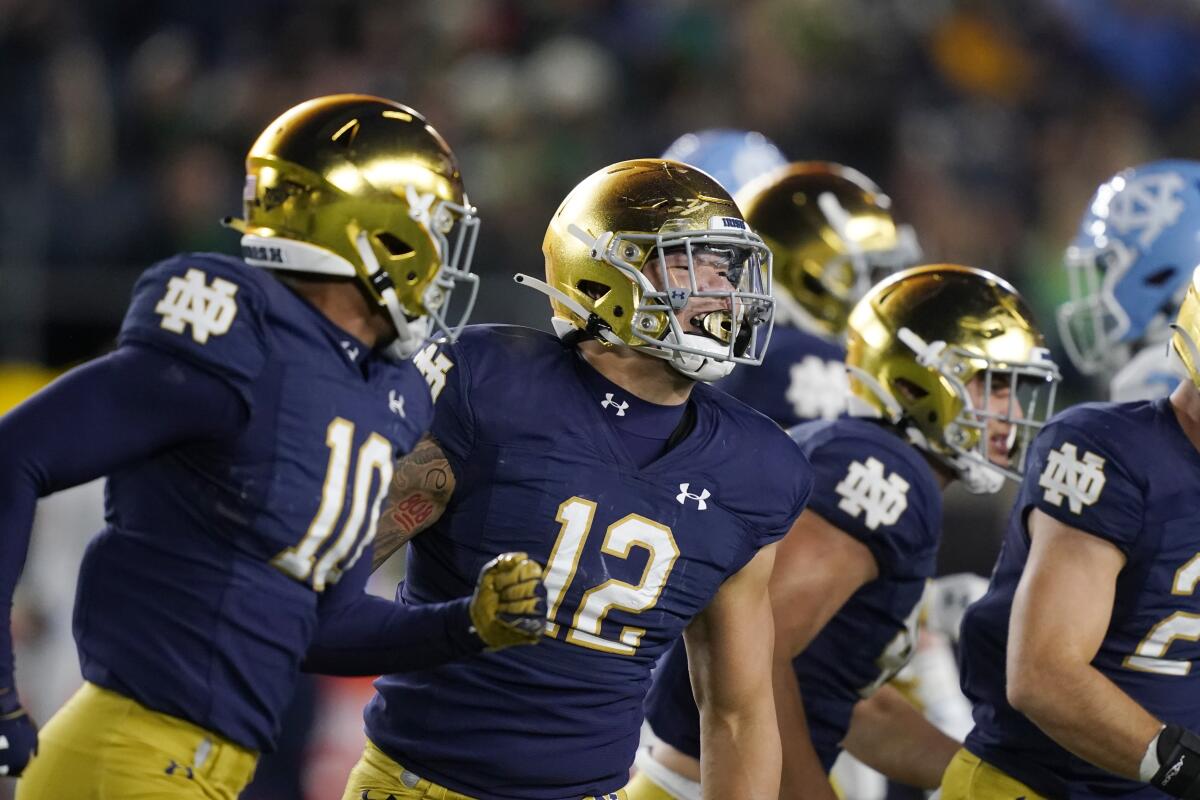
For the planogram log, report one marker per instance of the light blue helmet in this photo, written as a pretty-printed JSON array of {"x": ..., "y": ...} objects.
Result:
[
  {"x": 731, "y": 156},
  {"x": 1129, "y": 265}
]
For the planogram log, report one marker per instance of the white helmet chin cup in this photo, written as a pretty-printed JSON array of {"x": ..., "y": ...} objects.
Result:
[
  {"x": 699, "y": 367},
  {"x": 410, "y": 335},
  {"x": 976, "y": 477}
]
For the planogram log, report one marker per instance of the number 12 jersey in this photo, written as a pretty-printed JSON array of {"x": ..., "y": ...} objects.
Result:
[{"x": 631, "y": 555}]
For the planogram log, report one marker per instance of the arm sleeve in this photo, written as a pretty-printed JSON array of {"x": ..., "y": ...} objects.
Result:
[
  {"x": 1076, "y": 475},
  {"x": 88, "y": 423},
  {"x": 204, "y": 310},
  {"x": 361, "y": 634},
  {"x": 875, "y": 495}
]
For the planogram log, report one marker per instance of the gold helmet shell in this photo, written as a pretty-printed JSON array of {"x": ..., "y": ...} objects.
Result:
[
  {"x": 915, "y": 342},
  {"x": 362, "y": 187},
  {"x": 623, "y": 218},
  {"x": 832, "y": 233},
  {"x": 1186, "y": 339}
]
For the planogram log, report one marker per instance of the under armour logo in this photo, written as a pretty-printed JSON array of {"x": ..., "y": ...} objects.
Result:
[
  {"x": 1080, "y": 482},
  {"x": 817, "y": 388},
  {"x": 865, "y": 489},
  {"x": 678, "y": 297},
  {"x": 396, "y": 403},
  {"x": 619, "y": 405},
  {"x": 1149, "y": 204},
  {"x": 685, "y": 495},
  {"x": 434, "y": 366},
  {"x": 190, "y": 301},
  {"x": 351, "y": 350},
  {"x": 174, "y": 768},
  {"x": 1175, "y": 769}
]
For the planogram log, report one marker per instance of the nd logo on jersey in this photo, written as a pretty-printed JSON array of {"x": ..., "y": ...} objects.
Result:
[
  {"x": 817, "y": 388},
  {"x": 865, "y": 489},
  {"x": 1080, "y": 481},
  {"x": 190, "y": 301},
  {"x": 434, "y": 366}
]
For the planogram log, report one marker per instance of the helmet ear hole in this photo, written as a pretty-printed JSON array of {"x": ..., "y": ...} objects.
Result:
[
  {"x": 394, "y": 245},
  {"x": 909, "y": 391},
  {"x": 593, "y": 289},
  {"x": 1161, "y": 276}
]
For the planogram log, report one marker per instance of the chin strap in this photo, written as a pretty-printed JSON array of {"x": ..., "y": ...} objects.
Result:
[
  {"x": 894, "y": 412},
  {"x": 593, "y": 325},
  {"x": 1191, "y": 346},
  {"x": 409, "y": 333}
]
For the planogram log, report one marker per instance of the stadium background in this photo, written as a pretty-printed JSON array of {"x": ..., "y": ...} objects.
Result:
[{"x": 125, "y": 123}]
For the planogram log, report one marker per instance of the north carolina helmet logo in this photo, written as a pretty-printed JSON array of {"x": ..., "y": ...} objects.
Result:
[{"x": 1148, "y": 205}]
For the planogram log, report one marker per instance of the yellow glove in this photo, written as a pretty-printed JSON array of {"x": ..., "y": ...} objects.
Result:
[{"x": 509, "y": 604}]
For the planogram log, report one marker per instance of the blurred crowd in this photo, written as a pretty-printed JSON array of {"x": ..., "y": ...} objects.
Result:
[{"x": 990, "y": 122}]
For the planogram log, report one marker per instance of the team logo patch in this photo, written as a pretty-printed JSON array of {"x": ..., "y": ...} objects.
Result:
[
  {"x": 208, "y": 308},
  {"x": 434, "y": 366},
  {"x": 686, "y": 494},
  {"x": 817, "y": 388},
  {"x": 866, "y": 489},
  {"x": 1067, "y": 476}
]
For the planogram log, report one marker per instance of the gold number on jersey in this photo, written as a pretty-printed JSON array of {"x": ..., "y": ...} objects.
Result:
[
  {"x": 622, "y": 536},
  {"x": 1148, "y": 656},
  {"x": 374, "y": 458}
]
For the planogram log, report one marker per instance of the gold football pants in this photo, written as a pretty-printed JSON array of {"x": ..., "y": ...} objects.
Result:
[
  {"x": 969, "y": 778},
  {"x": 643, "y": 788},
  {"x": 376, "y": 776},
  {"x": 104, "y": 746}
]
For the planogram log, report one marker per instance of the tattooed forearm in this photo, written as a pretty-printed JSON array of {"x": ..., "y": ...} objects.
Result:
[{"x": 421, "y": 487}]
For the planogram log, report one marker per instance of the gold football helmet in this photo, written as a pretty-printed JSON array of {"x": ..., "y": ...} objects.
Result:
[
  {"x": 916, "y": 342},
  {"x": 365, "y": 188},
  {"x": 833, "y": 236},
  {"x": 631, "y": 216},
  {"x": 1186, "y": 339}
]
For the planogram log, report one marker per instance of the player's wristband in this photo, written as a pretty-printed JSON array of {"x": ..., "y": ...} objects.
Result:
[{"x": 1178, "y": 751}]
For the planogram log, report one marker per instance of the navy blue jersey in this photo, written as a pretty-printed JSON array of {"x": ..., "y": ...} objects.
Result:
[
  {"x": 631, "y": 556},
  {"x": 881, "y": 491},
  {"x": 198, "y": 598},
  {"x": 801, "y": 379},
  {"x": 1128, "y": 474}
]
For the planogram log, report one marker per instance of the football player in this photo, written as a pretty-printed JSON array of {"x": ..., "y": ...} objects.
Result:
[
  {"x": 1128, "y": 269},
  {"x": 734, "y": 157},
  {"x": 833, "y": 235},
  {"x": 1080, "y": 657},
  {"x": 248, "y": 423},
  {"x": 938, "y": 357},
  {"x": 652, "y": 497}
]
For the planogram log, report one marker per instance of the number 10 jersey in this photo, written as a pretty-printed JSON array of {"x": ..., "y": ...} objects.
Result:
[{"x": 631, "y": 555}]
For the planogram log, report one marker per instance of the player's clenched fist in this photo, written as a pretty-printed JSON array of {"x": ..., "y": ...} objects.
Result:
[
  {"x": 509, "y": 605},
  {"x": 18, "y": 734}
]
